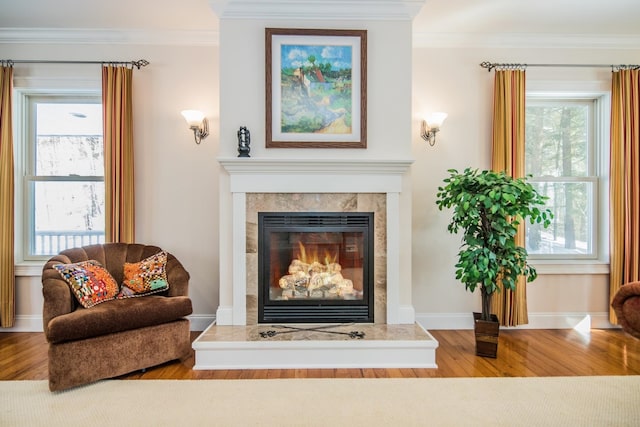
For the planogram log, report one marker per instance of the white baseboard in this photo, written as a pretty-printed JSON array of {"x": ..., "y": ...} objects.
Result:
[
  {"x": 33, "y": 323},
  {"x": 26, "y": 323},
  {"x": 436, "y": 321},
  {"x": 429, "y": 321},
  {"x": 594, "y": 320},
  {"x": 200, "y": 322}
]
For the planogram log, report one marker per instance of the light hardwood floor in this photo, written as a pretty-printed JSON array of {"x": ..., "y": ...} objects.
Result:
[{"x": 522, "y": 353}]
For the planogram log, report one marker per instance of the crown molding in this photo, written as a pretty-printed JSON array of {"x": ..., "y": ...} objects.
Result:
[
  {"x": 352, "y": 10},
  {"x": 545, "y": 41},
  {"x": 109, "y": 36},
  {"x": 212, "y": 38}
]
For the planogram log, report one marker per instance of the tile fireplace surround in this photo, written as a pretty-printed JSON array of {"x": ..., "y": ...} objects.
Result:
[{"x": 259, "y": 185}]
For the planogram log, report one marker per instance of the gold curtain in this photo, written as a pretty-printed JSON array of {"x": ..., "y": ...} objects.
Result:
[
  {"x": 7, "y": 277},
  {"x": 624, "y": 185},
  {"x": 508, "y": 156},
  {"x": 118, "y": 153}
]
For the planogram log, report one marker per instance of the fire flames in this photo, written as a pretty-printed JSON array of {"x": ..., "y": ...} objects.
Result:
[
  {"x": 308, "y": 277},
  {"x": 313, "y": 256}
]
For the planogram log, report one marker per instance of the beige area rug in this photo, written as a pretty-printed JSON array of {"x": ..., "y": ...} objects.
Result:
[{"x": 556, "y": 401}]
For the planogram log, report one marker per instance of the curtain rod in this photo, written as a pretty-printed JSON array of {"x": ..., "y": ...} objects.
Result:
[
  {"x": 490, "y": 66},
  {"x": 137, "y": 64}
]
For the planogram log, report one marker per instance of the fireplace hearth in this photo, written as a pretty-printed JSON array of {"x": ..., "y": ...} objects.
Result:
[{"x": 315, "y": 267}]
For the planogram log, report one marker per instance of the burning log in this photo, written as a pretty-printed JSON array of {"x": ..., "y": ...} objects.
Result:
[
  {"x": 291, "y": 281},
  {"x": 334, "y": 267},
  {"x": 297, "y": 265},
  {"x": 315, "y": 280},
  {"x": 316, "y": 268},
  {"x": 345, "y": 287}
]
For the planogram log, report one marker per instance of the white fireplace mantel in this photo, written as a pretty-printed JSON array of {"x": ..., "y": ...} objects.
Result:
[
  {"x": 315, "y": 175},
  {"x": 264, "y": 175}
]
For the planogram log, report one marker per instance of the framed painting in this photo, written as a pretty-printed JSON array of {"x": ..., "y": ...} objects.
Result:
[{"x": 316, "y": 88}]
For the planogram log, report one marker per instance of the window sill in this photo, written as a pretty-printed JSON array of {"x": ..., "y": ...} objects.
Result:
[
  {"x": 29, "y": 269},
  {"x": 574, "y": 268}
]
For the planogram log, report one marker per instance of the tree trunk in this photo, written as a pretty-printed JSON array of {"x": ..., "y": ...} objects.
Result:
[{"x": 486, "y": 304}]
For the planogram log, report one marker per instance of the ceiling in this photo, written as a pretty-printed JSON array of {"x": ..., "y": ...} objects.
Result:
[
  {"x": 593, "y": 17},
  {"x": 557, "y": 17}
]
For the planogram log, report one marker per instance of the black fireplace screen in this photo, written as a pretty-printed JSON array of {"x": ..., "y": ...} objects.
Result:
[{"x": 315, "y": 267}]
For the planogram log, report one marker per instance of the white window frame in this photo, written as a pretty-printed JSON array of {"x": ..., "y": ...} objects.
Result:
[
  {"x": 598, "y": 262},
  {"x": 24, "y": 138}
]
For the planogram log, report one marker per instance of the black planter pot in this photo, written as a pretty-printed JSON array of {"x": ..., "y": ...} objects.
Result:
[{"x": 486, "y": 335}]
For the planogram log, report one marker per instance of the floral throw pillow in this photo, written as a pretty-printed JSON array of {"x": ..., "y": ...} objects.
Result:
[
  {"x": 146, "y": 277},
  {"x": 89, "y": 281}
]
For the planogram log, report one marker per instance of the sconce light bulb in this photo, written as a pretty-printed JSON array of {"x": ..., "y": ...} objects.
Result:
[
  {"x": 193, "y": 117},
  {"x": 435, "y": 120},
  {"x": 431, "y": 125},
  {"x": 198, "y": 123}
]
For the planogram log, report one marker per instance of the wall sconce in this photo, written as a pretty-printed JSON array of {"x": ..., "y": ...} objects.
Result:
[
  {"x": 430, "y": 126},
  {"x": 198, "y": 123}
]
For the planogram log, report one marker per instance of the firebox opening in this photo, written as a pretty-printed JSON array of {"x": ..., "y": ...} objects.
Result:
[{"x": 315, "y": 267}]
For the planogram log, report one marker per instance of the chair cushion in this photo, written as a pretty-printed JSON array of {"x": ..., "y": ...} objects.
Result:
[
  {"x": 90, "y": 283},
  {"x": 116, "y": 316},
  {"x": 146, "y": 277}
]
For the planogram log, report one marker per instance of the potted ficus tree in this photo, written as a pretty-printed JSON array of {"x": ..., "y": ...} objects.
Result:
[{"x": 488, "y": 206}]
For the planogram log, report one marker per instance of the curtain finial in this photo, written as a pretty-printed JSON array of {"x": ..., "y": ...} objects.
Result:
[
  {"x": 625, "y": 67},
  {"x": 138, "y": 64},
  {"x": 500, "y": 67}
]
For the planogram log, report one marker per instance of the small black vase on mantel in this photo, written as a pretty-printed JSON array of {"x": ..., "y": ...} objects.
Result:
[{"x": 244, "y": 140}]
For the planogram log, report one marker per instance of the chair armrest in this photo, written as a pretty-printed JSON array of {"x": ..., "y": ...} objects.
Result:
[
  {"x": 627, "y": 290},
  {"x": 177, "y": 277},
  {"x": 626, "y": 304},
  {"x": 58, "y": 299}
]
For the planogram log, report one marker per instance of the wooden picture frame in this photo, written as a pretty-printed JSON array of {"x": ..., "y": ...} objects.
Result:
[{"x": 316, "y": 88}]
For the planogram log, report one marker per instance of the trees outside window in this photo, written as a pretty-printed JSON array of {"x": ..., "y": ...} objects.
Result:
[
  {"x": 64, "y": 173},
  {"x": 560, "y": 154}
]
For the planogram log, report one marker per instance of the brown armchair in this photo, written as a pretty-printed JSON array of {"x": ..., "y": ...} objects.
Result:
[
  {"x": 117, "y": 336},
  {"x": 626, "y": 304}
]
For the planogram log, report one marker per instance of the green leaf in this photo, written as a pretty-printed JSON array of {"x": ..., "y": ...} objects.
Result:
[{"x": 487, "y": 206}]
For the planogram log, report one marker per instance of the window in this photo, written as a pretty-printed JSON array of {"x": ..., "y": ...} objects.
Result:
[
  {"x": 63, "y": 173},
  {"x": 563, "y": 154}
]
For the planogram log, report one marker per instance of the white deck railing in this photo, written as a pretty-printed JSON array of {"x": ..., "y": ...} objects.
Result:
[{"x": 52, "y": 242}]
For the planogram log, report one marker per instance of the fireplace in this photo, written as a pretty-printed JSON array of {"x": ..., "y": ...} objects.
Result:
[
  {"x": 263, "y": 185},
  {"x": 258, "y": 185},
  {"x": 315, "y": 267}
]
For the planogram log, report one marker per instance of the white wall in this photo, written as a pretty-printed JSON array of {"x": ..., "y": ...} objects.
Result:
[
  {"x": 451, "y": 80},
  {"x": 176, "y": 180},
  {"x": 242, "y": 94},
  {"x": 242, "y": 103}
]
